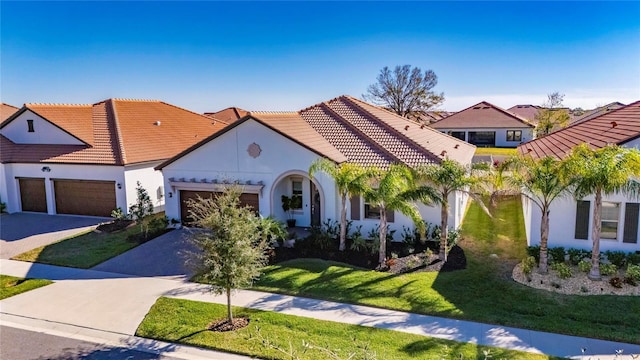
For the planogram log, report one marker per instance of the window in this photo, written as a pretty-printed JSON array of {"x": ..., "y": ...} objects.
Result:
[
  {"x": 514, "y": 135},
  {"x": 371, "y": 211},
  {"x": 459, "y": 135},
  {"x": 30, "y": 125},
  {"x": 296, "y": 191},
  {"x": 610, "y": 217}
]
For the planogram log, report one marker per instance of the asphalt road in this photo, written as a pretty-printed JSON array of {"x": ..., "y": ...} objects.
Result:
[{"x": 17, "y": 344}]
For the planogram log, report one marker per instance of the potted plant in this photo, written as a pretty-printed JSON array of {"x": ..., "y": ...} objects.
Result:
[{"x": 288, "y": 205}]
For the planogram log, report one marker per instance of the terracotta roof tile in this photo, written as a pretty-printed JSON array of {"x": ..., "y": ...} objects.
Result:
[
  {"x": 122, "y": 132},
  {"x": 615, "y": 127},
  {"x": 228, "y": 115},
  {"x": 7, "y": 110},
  {"x": 482, "y": 115}
]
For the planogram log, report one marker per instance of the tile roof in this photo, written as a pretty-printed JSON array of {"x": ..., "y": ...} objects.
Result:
[
  {"x": 116, "y": 131},
  {"x": 7, "y": 110},
  {"x": 615, "y": 127},
  {"x": 526, "y": 111},
  {"x": 590, "y": 114},
  {"x": 228, "y": 115},
  {"x": 482, "y": 115},
  {"x": 348, "y": 129}
]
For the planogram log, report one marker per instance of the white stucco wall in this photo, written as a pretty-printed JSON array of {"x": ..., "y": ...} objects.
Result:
[
  {"x": 58, "y": 171},
  {"x": 227, "y": 158},
  {"x": 633, "y": 143},
  {"x": 501, "y": 135},
  {"x": 44, "y": 131},
  {"x": 562, "y": 225},
  {"x": 3, "y": 185},
  {"x": 149, "y": 178}
]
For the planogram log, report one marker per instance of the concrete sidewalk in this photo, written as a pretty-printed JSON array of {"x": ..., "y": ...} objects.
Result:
[{"x": 96, "y": 300}]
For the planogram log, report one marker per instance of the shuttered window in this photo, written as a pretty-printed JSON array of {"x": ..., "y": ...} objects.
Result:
[
  {"x": 582, "y": 219},
  {"x": 631, "y": 213},
  {"x": 355, "y": 208}
]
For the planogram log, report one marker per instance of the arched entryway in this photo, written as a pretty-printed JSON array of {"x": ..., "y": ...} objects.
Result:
[{"x": 297, "y": 183}]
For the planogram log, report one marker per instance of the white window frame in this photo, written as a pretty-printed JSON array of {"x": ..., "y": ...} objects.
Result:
[{"x": 606, "y": 236}]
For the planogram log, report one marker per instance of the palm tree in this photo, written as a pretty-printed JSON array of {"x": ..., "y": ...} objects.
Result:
[
  {"x": 447, "y": 178},
  {"x": 396, "y": 189},
  {"x": 351, "y": 179},
  {"x": 605, "y": 171},
  {"x": 542, "y": 181}
]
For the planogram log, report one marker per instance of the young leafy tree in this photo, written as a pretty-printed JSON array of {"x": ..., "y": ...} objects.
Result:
[
  {"x": 232, "y": 250},
  {"x": 542, "y": 181},
  {"x": 552, "y": 116},
  {"x": 447, "y": 178},
  {"x": 142, "y": 208},
  {"x": 605, "y": 171},
  {"x": 396, "y": 189},
  {"x": 405, "y": 90},
  {"x": 351, "y": 180}
]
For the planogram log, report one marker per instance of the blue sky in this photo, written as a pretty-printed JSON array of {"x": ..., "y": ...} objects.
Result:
[{"x": 206, "y": 56}]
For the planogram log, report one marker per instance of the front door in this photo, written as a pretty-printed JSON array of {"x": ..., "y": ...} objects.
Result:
[{"x": 315, "y": 204}]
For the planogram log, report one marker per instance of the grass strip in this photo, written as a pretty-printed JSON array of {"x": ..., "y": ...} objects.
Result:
[
  {"x": 10, "y": 285},
  {"x": 185, "y": 322}
]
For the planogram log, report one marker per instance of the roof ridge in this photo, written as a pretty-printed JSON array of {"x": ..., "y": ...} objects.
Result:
[
  {"x": 5, "y": 104},
  {"x": 263, "y": 112},
  {"x": 134, "y": 100},
  {"x": 326, "y": 106},
  {"x": 118, "y": 132},
  {"x": 57, "y": 104},
  {"x": 391, "y": 129},
  {"x": 190, "y": 111}
]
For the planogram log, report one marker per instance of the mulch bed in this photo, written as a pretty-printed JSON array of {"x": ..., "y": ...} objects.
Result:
[
  {"x": 115, "y": 225},
  {"x": 224, "y": 324},
  {"x": 420, "y": 262}
]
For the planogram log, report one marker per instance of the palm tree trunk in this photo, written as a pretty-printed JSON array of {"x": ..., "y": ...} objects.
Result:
[
  {"x": 444, "y": 228},
  {"x": 594, "y": 273},
  {"x": 343, "y": 223},
  {"x": 229, "y": 313},
  {"x": 382, "y": 257},
  {"x": 543, "y": 267}
]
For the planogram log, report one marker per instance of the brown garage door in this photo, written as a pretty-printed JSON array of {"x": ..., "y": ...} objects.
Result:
[
  {"x": 84, "y": 197},
  {"x": 246, "y": 199},
  {"x": 33, "y": 196}
]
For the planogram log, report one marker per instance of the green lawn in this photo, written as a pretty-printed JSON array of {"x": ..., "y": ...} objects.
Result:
[
  {"x": 10, "y": 285},
  {"x": 185, "y": 321},
  {"x": 84, "y": 250},
  {"x": 483, "y": 292},
  {"x": 496, "y": 151}
]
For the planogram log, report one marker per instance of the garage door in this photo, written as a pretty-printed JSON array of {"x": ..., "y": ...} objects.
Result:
[
  {"x": 33, "y": 196},
  {"x": 83, "y": 197},
  {"x": 246, "y": 199}
]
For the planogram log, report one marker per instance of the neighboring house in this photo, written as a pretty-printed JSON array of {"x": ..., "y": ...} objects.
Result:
[
  {"x": 487, "y": 125},
  {"x": 571, "y": 219},
  {"x": 269, "y": 154},
  {"x": 429, "y": 117},
  {"x": 228, "y": 115},
  {"x": 526, "y": 111},
  {"x": 86, "y": 159},
  {"x": 6, "y": 110},
  {"x": 590, "y": 114}
]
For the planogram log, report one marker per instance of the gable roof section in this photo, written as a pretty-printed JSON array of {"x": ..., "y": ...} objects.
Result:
[
  {"x": 615, "y": 127},
  {"x": 597, "y": 112},
  {"x": 526, "y": 111},
  {"x": 482, "y": 115},
  {"x": 6, "y": 111},
  {"x": 346, "y": 129},
  {"x": 121, "y": 132},
  {"x": 228, "y": 115}
]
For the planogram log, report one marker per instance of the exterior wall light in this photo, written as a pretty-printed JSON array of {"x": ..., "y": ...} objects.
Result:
[{"x": 46, "y": 169}]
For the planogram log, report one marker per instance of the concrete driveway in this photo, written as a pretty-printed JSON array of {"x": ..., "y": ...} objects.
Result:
[
  {"x": 163, "y": 256},
  {"x": 20, "y": 232}
]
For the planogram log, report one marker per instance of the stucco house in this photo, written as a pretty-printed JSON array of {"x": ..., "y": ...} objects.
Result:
[
  {"x": 268, "y": 154},
  {"x": 86, "y": 159},
  {"x": 570, "y": 219}
]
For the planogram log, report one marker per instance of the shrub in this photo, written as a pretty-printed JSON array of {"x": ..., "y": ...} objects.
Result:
[
  {"x": 633, "y": 272},
  {"x": 633, "y": 258},
  {"x": 527, "y": 264},
  {"x": 535, "y": 252},
  {"x": 618, "y": 258},
  {"x": 608, "y": 269},
  {"x": 557, "y": 254},
  {"x": 375, "y": 233},
  {"x": 118, "y": 214},
  {"x": 413, "y": 262},
  {"x": 616, "y": 282},
  {"x": 577, "y": 255},
  {"x": 584, "y": 266},
  {"x": 408, "y": 236},
  {"x": 563, "y": 270},
  {"x": 158, "y": 224},
  {"x": 331, "y": 228},
  {"x": 359, "y": 244}
]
